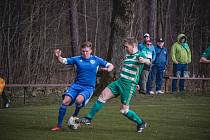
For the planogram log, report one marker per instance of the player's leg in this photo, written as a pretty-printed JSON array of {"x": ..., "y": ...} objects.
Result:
[
  {"x": 105, "y": 95},
  {"x": 82, "y": 99},
  {"x": 68, "y": 99},
  {"x": 78, "y": 105},
  {"x": 131, "y": 115},
  {"x": 72, "y": 119},
  {"x": 103, "y": 98},
  {"x": 62, "y": 112},
  {"x": 62, "y": 109},
  {"x": 126, "y": 92}
]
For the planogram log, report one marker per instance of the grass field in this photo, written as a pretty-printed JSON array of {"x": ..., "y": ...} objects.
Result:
[{"x": 169, "y": 117}]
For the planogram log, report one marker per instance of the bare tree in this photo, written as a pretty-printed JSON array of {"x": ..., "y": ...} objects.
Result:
[{"x": 73, "y": 20}]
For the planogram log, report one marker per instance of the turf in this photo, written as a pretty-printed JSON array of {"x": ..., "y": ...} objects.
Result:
[{"x": 170, "y": 117}]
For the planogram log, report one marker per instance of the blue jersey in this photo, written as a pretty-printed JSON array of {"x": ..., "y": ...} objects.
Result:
[{"x": 86, "y": 69}]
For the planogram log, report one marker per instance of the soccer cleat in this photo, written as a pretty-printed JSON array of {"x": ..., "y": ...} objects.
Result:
[
  {"x": 56, "y": 128},
  {"x": 84, "y": 120},
  {"x": 141, "y": 127},
  {"x": 159, "y": 92}
]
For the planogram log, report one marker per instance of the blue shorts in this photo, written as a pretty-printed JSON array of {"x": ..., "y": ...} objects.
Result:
[{"x": 75, "y": 89}]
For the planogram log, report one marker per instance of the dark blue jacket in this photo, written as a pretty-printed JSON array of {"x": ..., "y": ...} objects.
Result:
[{"x": 161, "y": 59}]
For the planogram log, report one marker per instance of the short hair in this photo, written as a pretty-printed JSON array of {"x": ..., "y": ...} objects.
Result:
[
  {"x": 130, "y": 40},
  {"x": 86, "y": 44}
]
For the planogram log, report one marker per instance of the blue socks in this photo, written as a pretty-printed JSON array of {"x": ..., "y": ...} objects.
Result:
[
  {"x": 76, "y": 112},
  {"x": 62, "y": 113}
]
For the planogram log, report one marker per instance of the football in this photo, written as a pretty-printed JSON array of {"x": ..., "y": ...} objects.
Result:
[{"x": 72, "y": 124}]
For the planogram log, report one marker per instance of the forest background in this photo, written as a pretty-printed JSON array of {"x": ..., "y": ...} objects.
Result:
[{"x": 30, "y": 30}]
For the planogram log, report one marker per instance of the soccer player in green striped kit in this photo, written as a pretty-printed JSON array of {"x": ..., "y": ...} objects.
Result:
[{"x": 125, "y": 86}]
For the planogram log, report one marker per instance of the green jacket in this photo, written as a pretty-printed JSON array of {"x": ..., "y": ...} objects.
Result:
[{"x": 180, "y": 52}]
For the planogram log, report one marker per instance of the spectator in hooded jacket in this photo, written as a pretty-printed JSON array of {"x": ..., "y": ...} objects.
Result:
[
  {"x": 158, "y": 68},
  {"x": 181, "y": 57}
]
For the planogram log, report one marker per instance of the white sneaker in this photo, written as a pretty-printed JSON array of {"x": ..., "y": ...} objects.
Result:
[
  {"x": 159, "y": 92},
  {"x": 151, "y": 92},
  {"x": 178, "y": 74},
  {"x": 186, "y": 74}
]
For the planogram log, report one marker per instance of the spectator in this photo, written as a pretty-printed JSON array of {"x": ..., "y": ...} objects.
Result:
[
  {"x": 148, "y": 50},
  {"x": 6, "y": 101},
  {"x": 205, "y": 57},
  {"x": 181, "y": 57},
  {"x": 158, "y": 67}
]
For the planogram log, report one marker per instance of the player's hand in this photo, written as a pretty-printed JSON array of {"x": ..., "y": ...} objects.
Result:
[
  {"x": 57, "y": 52},
  {"x": 137, "y": 87},
  {"x": 141, "y": 60}
]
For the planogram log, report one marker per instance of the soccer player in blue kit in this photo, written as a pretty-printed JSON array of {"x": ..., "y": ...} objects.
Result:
[{"x": 80, "y": 92}]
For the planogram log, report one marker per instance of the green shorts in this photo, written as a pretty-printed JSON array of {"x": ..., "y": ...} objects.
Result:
[{"x": 124, "y": 89}]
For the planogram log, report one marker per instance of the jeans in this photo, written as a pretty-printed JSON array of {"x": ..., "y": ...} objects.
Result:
[
  {"x": 156, "y": 74},
  {"x": 178, "y": 71}
]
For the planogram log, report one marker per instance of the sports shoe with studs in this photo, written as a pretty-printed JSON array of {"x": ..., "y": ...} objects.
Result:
[
  {"x": 141, "y": 127},
  {"x": 84, "y": 120},
  {"x": 56, "y": 128}
]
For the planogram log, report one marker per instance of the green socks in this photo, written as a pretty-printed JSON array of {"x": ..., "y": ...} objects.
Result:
[
  {"x": 95, "y": 108},
  {"x": 99, "y": 105},
  {"x": 131, "y": 115}
]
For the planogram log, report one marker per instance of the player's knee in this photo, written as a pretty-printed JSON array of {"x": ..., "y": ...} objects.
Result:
[
  {"x": 124, "y": 111},
  {"x": 79, "y": 99},
  {"x": 66, "y": 101}
]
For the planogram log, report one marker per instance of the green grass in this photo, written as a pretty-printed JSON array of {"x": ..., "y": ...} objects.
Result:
[{"x": 169, "y": 117}]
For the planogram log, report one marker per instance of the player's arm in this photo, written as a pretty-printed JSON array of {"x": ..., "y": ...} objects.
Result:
[
  {"x": 204, "y": 60},
  {"x": 60, "y": 58},
  {"x": 109, "y": 67}
]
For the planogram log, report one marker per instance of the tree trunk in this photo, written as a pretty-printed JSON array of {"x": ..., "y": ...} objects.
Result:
[
  {"x": 122, "y": 17},
  {"x": 152, "y": 18},
  {"x": 73, "y": 21}
]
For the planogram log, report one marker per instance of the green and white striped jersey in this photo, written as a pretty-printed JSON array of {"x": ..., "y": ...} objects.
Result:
[{"x": 132, "y": 69}]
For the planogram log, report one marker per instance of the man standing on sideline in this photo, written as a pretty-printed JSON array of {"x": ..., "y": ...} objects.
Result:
[
  {"x": 205, "y": 56},
  {"x": 125, "y": 86},
  {"x": 158, "y": 67},
  {"x": 82, "y": 89},
  {"x": 181, "y": 57},
  {"x": 147, "y": 48},
  {"x": 6, "y": 101}
]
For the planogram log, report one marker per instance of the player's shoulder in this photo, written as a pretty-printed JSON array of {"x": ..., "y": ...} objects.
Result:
[
  {"x": 76, "y": 58},
  {"x": 140, "y": 54},
  {"x": 97, "y": 58}
]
